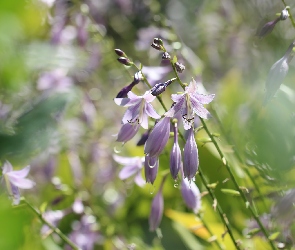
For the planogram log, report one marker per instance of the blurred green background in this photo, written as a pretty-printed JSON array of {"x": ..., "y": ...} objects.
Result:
[{"x": 58, "y": 78}]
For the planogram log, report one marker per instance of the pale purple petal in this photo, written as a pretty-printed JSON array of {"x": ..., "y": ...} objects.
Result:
[
  {"x": 199, "y": 109},
  {"x": 191, "y": 158},
  {"x": 158, "y": 138},
  {"x": 148, "y": 97},
  {"x": 15, "y": 194},
  {"x": 131, "y": 114},
  {"x": 139, "y": 180},
  {"x": 191, "y": 195},
  {"x": 126, "y": 160},
  {"x": 7, "y": 167},
  {"x": 177, "y": 97},
  {"x": 192, "y": 87},
  {"x": 122, "y": 101},
  {"x": 144, "y": 121},
  {"x": 128, "y": 171},
  {"x": 18, "y": 174},
  {"x": 127, "y": 132},
  {"x": 156, "y": 211},
  {"x": 176, "y": 107},
  {"x": 22, "y": 183},
  {"x": 175, "y": 160},
  {"x": 203, "y": 99},
  {"x": 151, "y": 165},
  {"x": 151, "y": 112},
  {"x": 132, "y": 96}
]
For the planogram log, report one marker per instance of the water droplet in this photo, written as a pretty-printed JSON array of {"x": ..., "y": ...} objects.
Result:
[
  {"x": 117, "y": 151},
  {"x": 152, "y": 189},
  {"x": 176, "y": 184}
]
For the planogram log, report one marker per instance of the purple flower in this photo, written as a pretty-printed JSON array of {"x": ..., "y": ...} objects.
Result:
[
  {"x": 157, "y": 209},
  {"x": 277, "y": 73},
  {"x": 53, "y": 217},
  {"x": 15, "y": 180},
  {"x": 190, "y": 156},
  {"x": 139, "y": 108},
  {"x": 158, "y": 138},
  {"x": 175, "y": 155},
  {"x": 132, "y": 166},
  {"x": 151, "y": 165},
  {"x": 191, "y": 195},
  {"x": 267, "y": 28},
  {"x": 190, "y": 103},
  {"x": 127, "y": 132}
]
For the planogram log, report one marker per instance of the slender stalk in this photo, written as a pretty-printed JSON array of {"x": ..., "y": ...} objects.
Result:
[
  {"x": 219, "y": 209},
  {"x": 53, "y": 228},
  {"x": 290, "y": 15},
  {"x": 236, "y": 184}
]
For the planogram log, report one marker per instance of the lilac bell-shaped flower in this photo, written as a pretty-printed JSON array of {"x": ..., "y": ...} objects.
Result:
[
  {"x": 175, "y": 155},
  {"x": 151, "y": 165},
  {"x": 191, "y": 195},
  {"x": 15, "y": 180},
  {"x": 132, "y": 167},
  {"x": 158, "y": 138},
  {"x": 190, "y": 156},
  {"x": 127, "y": 132},
  {"x": 157, "y": 209}
]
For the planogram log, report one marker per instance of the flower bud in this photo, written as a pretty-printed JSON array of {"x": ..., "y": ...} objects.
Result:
[
  {"x": 170, "y": 81},
  {"x": 120, "y": 52},
  {"x": 284, "y": 14},
  {"x": 191, "y": 195},
  {"x": 158, "y": 44},
  {"x": 175, "y": 155},
  {"x": 166, "y": 56},
  {"x": 267, "y": 28},
  {"x": 127, "y": 132},
  {"x": 179, "y": 67},
  {"x": 158, "y": 89},
  {"x": 124, "y": 91},
  {"x": 151, "y": 165},
  {"x": 143, "y": 138},
  {"x": 125, "y": 61}
]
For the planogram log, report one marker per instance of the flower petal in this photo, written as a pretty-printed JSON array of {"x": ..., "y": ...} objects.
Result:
[
  {"x": 199, "y": 109},
  {"x": 191, "y": 195},
  {"x": 148, "y": 96},
  {"x": 175, "y": 160},
  {"x": 18, "y": 174},
  {"x": 139, "y": 180},
  {"x": 131, "y": 114},
  {"x": 127, "y": 132},
  {"x": 158, "y": 138},
  {"x": 191, "y": 158},
  {"x": 7, "y": 167},
  {"x": 22, "y": 183},
  {"x": 176, "y": 107},
  {"x": 156, "y": 211},
  {"x": 128, "y": 171},
  {"x": 151, "y": 165},
  {"x": 151, "y": 112},
  {"x": 204, "y": 99}
]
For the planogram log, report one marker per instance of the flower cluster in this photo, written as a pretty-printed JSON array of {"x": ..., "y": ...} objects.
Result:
[{"x": 186, "y": 107}]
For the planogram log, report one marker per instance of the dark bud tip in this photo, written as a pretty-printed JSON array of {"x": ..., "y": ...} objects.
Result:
[
  {"x": 158, "y": 89},
  {"x": 124, "y": 91},
  {"x": 166, "y": 56},
  {"x": 120, "y": 52},
  {"x": 170, "y": 81},
  {"x": 179, "y": 67},
  {"x": 125, "y": 61},
  {"x": 143, "y": 138}
]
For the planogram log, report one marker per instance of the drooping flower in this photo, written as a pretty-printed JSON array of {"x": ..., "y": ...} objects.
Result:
[
  {"x": 139, "y": 108},
  {"x": 158, "y": 138},
  {"x": 15, "y": 180},
  {"x": 190, "y": 156},
  {"x": 191, "y": 195},
  {"x": 277, "y": 73},
  {"x": 190, "y": 103},
  {"x": 132, "y": 166},
  {"x": 127, "y": 132},
  {"x": 157, "y": 209},
  {"x": 151, "y": 165},
  {"x": 175, "y": 155}
]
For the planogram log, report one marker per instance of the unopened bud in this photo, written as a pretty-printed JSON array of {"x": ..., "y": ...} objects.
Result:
[
  {"x": 157, "y": 44},
  {"x": 138, "y": 77},
  {"x": 158, "y": 89},
  {"x": 179, "y": 67},
  {"x": 120, "y": 52},
  {"x": 284, "y": 14},
  {"x": 166, "y": 56},
  {"x": 125, "y": 61}
]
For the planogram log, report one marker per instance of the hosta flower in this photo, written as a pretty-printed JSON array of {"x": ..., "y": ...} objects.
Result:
[
  {"x": 127, "y": 132},
  {"x": 15, "y": 180},
  {"x": 190, "y": 103},
  {"x": 139, "y": 108},
  {"x": 175, "y": 155},
  {"x": 191, "y": 195},
  {"x": 277, "y": 73},
  {"x": 151, "y": 165},
  {"x": 190, "y": 156},
  {"x": 157, "y": 209},
  {"x": 158, "y": 138},
  {"x": 132, "y": 166}
]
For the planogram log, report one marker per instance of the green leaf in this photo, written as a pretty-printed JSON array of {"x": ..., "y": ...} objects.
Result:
[{"x": 230, "y": 191}]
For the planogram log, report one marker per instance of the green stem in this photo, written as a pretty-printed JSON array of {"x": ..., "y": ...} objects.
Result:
[
  {"x": 219, "y": 209},
  {"x": 53, "y": 228},
  {"x": 236, "y": 184}
]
